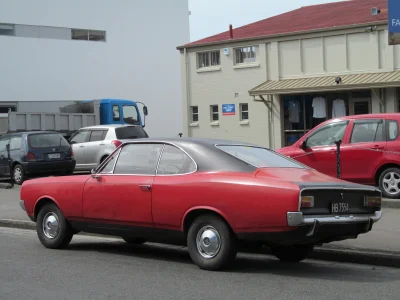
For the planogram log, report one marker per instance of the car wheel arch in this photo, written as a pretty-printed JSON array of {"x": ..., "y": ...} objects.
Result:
[
  {"x": 382, "y": 168},
  {"x": 193, "y": 213},
  {"x": 42, "y": 202}
]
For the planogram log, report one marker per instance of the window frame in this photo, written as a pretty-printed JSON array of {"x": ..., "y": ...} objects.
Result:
[
  {"x": 239, "y": 49},
  {"x": 209, "y": 54},
  {"x": 244, "y": 111},
  {"x": 192, "y": 113},
  {"x": 117, "y": 152},
  {"x": 105, "y": 131},
  {"x": 77, "y": 132},
  {"x": 214, "y": 113},
  {"x": 367, "y": 121},
  {"x": 119, "y": 112},
  {"x": 346, "y": 122}
]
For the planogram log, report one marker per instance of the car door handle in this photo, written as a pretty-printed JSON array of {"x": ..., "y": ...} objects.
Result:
[
  {"x": 145, "y": 187},
  {"x": 377, "y": 147},
  {"x": 81, "y": 146},
  {"x": 102, "y": 144}
]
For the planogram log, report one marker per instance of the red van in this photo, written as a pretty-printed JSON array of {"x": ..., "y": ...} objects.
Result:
[{"x": 370, "y": 150}]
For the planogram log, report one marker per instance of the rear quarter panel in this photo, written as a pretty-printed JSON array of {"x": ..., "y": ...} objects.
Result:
[
  {"x": 249, "y": 204},
  {"x": 66, "y": 192}
]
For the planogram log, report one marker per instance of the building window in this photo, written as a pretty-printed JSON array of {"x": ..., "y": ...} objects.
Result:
[
  {"x": 195, "y": 113},
  {"x": 88, "y": 35},
  {"x": 214, "y": 113},
  {"x": 7, "y": 29},
  {"x": 208, "y": 59},
  {"x": 244, "y": 111},
  {"x": 245, "y": 55}
]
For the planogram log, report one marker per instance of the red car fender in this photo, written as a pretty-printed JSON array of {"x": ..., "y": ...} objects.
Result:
[
  {"x": 45, "y": 197},
  {"x": 213, "y": 209}
]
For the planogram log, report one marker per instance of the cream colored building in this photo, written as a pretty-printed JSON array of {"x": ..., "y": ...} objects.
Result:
[{"x": 266, "y": 67}]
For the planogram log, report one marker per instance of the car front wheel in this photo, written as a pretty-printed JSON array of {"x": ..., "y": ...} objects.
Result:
[
  {"x": 294, "y": 254},
  {"x": 211, "y": 243},
  {"x": 52, "y": 228},
  {"x": 389, "y": 183},
  {"x": 18, "y": 174}
]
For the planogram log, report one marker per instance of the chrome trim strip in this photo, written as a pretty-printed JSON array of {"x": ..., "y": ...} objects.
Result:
[
  {"x": 297, "y": 219},
  {"x": 159, "y": 158}
]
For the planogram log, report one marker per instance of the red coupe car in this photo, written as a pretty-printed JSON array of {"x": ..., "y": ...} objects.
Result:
[{"x": 210, "y": 195}]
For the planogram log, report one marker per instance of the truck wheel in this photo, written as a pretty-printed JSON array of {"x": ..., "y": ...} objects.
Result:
[
  {"x": 211, "y": 243},
  {"x": 18, "y": 174},
  {"x": 52, "y": 228},
  {"x": 293, "y": 254},
  {"x": 389, "y": 183}
]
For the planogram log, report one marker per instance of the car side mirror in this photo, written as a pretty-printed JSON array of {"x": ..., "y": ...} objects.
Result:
[
  {"x": 304, "y": 145},
  {"x": 72, "y": 142},
  {"x": 145, "y": 111}
]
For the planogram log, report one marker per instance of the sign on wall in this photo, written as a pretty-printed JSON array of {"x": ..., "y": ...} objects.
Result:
[
  {"x": 394, "y": 22},
  {"x": 228, "y": 109}
]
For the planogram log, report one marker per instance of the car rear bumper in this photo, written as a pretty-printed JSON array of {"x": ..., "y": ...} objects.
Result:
[
  {"x": 48, "y": 167},
  {"x": 295, "y": 219}
]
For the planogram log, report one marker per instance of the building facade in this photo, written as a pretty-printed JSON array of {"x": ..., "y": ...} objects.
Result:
[
  {"x": 272, "y": 81},
  {"x": 80, "y": 50}
]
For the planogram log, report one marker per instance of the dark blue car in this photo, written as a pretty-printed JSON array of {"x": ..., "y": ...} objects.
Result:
[{"x": 35, "y": 153}]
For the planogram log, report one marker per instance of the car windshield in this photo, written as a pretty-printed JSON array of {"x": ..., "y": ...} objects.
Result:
[
  {"x": 44, "y": 140},
  {"x": 130, "y": 132},
  {"x": 260, "y": 157}
]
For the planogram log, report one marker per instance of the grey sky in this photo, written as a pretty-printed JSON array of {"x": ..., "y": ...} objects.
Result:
[{"x": 210, "y": 17}]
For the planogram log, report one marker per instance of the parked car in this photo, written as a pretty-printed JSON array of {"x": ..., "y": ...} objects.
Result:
[
  {"x": 207, "y": 194},
  {"x": 93, "y": 144},
  {"x": 35, "y": 153},
  {"x": 369, "y": 152}
]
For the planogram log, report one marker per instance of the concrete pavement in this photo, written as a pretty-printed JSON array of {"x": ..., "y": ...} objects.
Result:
[{"x": 152, "y": 271}]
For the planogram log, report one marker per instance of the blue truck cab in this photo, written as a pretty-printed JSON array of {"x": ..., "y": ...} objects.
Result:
[{"x": 120, "y": 111}]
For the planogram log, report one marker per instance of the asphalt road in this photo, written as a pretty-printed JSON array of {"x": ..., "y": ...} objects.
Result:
[{"x": 99, "y": 268}]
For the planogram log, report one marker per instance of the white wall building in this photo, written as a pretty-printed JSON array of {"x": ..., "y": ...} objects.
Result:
[
  {"x": 80, "y": 50},
  {"x": 264, "y": 67}
]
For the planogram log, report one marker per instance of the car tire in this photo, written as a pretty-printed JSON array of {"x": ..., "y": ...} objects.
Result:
[
  {"x": 211, "y": 243},
  {"x": 292, "y": 254},
  {"x": 388, "y": 190},
  {"x": 134, "y": 241},
  {"x": 18, "y": 174},
  {"x": 52, "y": 228}
]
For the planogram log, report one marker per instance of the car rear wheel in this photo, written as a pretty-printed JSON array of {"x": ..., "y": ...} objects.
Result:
[
  {"x": 18, "y": 174},
  {"x": 134, "y": 241},
  {"x": 211, "y": 243},
  {"x": 389, "y": 183},
  {"x": 52, "y": 228},
  {"x": 293, "y": 254}
]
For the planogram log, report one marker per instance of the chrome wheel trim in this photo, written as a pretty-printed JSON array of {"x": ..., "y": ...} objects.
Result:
[
  {"x": 51, "y": 225},
  {"x": 17, "y": 174},
  {"x": 391, "y": 183},
  {"x": 208, "y": 241}
]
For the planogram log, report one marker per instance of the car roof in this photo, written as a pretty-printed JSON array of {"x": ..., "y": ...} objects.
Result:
[
  {"x": 28, "y": 133},
  {"x": 204, "y": 153},
  {"x": 371, "y": 116},
  {"x": 109, "y": 126}
]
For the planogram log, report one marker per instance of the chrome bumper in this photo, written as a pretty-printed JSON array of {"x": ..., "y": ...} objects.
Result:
[
  {"x": 298, "y": 219},
  {"x": 22, "y": 204}
]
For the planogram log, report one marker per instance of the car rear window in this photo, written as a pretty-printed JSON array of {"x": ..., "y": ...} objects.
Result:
[
  {"x": 44, "y": 140},
  {"x": 130, "y": 132},
  {"x": 260, "y": 157}
]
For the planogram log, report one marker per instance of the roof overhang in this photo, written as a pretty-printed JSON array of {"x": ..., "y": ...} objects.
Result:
[{"x": 327, "y": 84}]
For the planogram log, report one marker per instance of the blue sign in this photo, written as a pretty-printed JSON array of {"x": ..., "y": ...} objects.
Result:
[
  {"x": 228, "y": 109},
  {"x": 394, "y": 16}
]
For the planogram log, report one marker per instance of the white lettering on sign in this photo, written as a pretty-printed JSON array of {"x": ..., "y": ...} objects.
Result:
[{"x": 395, "y": 22}]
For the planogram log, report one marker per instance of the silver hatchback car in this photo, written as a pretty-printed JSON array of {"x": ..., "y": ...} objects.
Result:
[{"x": 91, "y": 145}]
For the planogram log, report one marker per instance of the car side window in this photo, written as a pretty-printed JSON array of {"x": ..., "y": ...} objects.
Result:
[
  {"x": 367, "y": 131},
  {"x": 109, "y": 166},
  {"x": 392, "y": 130},
  {"x": 97, "y": 135},
  {"x": 138, "y": 159},
  {"x": 79, "y": 137},
  {"x": 327, "y": 135},
  {"x": 175, "y": 161},
  {"x": 116, "y": 114},
  {"x": 3, "y": 144},
  {"x": 16, "y": 143}
]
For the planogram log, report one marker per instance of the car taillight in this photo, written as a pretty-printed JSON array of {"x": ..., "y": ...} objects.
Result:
[
  {"x": 116, "y": 143},
  {"x": 372, "y": 201},
  {"x": 307, "y": 201},
  {"x": 30, "y": 156}
]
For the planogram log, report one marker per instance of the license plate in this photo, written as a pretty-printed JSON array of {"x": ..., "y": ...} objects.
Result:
[
  {"x": 340, "y": 207},
  {"x": 54, "y": 155}
]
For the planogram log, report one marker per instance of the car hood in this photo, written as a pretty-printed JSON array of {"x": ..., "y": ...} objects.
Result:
[
  {"x": 308, "y": 178},
  {"x": 288, "y": 151}
]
